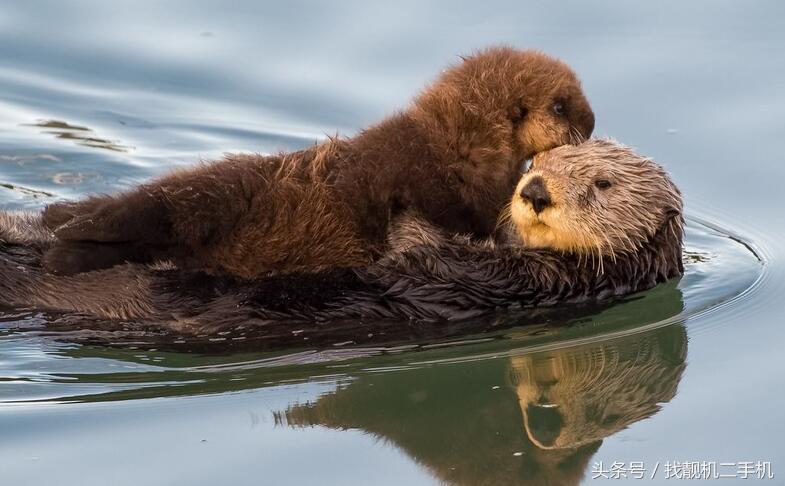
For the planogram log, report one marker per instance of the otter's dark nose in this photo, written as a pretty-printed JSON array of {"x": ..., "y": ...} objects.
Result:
[
  {"x": 536, "y": 193},
  {"x": 544, "y": 423},
  {"x": 587, "y": 125},
  {"x": 583, "y": 118}
]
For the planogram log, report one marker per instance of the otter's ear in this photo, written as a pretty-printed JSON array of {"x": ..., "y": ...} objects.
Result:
[
  {"x": 517, "y": 113},
  {"x": 672, "y": 213}
]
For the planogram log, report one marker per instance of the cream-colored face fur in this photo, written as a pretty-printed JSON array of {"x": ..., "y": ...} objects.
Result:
[{"x": 604, "y": 200}]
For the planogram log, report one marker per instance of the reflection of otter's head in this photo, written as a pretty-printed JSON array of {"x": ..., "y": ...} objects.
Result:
[
  {"x": 597, "y": 198},
  {"x": 502, "y": 106},
  {"x": 573, "y": 397},
  {"x": 454, "y": 420}
]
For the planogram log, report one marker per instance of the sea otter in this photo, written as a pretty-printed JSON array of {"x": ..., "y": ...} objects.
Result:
[
  {"x": 452, "y": 156},
  {"x": 594, "y": 221}
]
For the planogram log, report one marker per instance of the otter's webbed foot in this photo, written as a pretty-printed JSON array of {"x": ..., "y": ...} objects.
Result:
[
  {"x": 100, "y": 232},
  {"x": 59, "y": 213},
  {"x": 69, "y": 258},
  {"x": 106, "y": 219}
]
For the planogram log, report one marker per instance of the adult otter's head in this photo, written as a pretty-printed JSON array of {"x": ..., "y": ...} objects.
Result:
[
  {"x": 596, "y": 198},
  {"x": 498, "y": 108}
]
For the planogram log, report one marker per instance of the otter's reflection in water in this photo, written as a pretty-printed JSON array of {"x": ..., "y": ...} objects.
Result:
[
  {"x": 569, "y": 398},
  {"x": 529, "y": 419}
]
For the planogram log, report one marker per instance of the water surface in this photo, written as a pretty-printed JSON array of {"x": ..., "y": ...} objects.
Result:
[{"x": 97, "y": 96}]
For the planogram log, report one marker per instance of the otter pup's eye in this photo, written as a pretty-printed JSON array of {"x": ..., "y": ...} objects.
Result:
[
  {"x": 602, "y": 184},
  {"x": 558, "y": 108}
]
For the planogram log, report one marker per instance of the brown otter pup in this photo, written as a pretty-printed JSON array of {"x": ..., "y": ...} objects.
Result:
[
  {"x": 453, "y": 157},
  {"x": 611, "y": 219}
]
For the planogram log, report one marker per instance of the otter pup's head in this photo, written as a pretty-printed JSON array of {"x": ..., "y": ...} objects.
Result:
[
  {"x": 596, "y": 198},
  {"x": 501, "y": 106}
]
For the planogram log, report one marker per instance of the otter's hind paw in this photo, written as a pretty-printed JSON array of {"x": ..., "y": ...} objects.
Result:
[
  {"x": 88, "y": 220},
  {"x": 58, "y": 214},
  {"x": 70, "y": 258}
]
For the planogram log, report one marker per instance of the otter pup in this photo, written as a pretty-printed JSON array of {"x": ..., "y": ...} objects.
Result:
[
  {"x": 452, "y": 157},
  {"x": 602, "y": 222}
]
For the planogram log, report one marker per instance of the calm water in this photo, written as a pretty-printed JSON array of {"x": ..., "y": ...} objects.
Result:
[{"x": 96, "y": 96}]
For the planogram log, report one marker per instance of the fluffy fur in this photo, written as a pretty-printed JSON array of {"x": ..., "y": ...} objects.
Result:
[
  {"x": 428, "y": 274},
  {"x": 453, "y": 157}
]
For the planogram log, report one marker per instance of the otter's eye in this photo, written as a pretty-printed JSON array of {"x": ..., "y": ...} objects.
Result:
[
  {"x": 558, "y": 108},
  {"x": 602, "y": 184}
]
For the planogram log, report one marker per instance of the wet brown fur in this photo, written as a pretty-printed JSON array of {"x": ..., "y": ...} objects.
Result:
[
  {"x": 453, "y": 157},
  {"x": 427, "y": 275}
]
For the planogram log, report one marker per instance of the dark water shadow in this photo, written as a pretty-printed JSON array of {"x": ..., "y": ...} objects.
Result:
[{"x": 81, "y": 135}]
